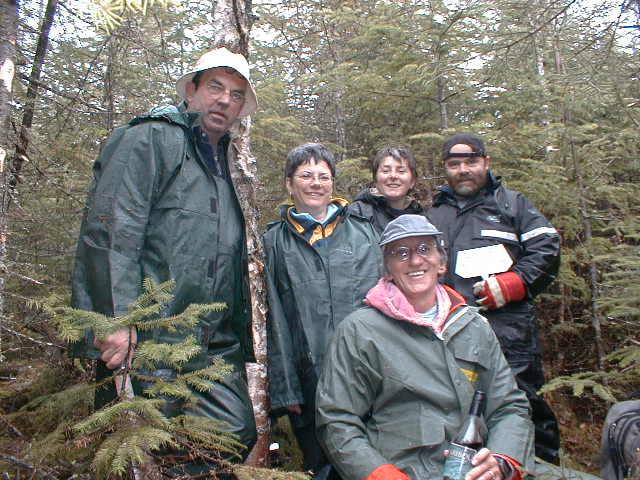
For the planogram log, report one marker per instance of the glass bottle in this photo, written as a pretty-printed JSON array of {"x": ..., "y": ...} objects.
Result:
[{"x": 470, "y": 438}]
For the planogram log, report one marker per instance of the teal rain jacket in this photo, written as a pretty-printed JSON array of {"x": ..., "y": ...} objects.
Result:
[
  {"x": 311, "y": 290},
  {"x": 155, "y": 211}
]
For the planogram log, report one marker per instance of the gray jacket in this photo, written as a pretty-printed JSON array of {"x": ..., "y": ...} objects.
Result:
[{"x": 393, "y": 392}]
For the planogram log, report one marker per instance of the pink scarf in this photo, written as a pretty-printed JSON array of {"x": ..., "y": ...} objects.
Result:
[{"x": 388, "y": 298}]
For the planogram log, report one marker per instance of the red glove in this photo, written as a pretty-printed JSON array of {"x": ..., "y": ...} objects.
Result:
[
  {"x": 516, "y": 471},
  {"x": 496, "y": 291},
  {"x": 388, "y": 471}
]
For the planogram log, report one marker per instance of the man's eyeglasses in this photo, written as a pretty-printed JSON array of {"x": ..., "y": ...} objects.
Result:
[
  {"x": 215, "y": 88},
  {"x": 402, "y": 254},
  {"x": 308, "y": 177}
]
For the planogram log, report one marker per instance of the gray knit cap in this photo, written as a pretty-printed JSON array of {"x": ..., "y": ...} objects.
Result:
[{"x": 408, "y": 226}]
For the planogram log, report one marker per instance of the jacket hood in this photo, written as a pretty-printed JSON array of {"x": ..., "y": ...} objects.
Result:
[
  {"x": 173, "y": 114},
  {"x": 177, "y": 115},
  {"x": 389, "y": 299}
]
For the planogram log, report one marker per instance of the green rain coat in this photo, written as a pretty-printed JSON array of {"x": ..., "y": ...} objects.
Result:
[
  {"x": 393, "y": 392},
  {"x": 155, "y": 211},
  {"x": 311, "y": 289}
]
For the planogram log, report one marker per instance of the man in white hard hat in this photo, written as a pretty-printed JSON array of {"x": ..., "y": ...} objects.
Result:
[{"x": 162, "y": 206}]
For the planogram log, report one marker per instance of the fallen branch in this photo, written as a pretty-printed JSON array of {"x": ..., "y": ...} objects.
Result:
[
  {"x": 19, "y": 463},
  {"x": 22, "y": 335},
  {"x": 24, "y": 277},
  {"x": 13, "y": 429}
]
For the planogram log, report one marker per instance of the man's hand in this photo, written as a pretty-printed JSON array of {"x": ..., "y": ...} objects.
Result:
[
  {"x": 295, "y": 409},
  {"x": 115, "y": 347},
  {"x": 496, "y": 291}
]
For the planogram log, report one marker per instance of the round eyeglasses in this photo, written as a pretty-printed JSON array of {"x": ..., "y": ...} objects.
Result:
[{"x": 402, "y": 253}]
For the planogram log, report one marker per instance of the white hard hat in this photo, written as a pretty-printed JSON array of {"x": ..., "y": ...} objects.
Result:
[{"x": 222, "y": 57}]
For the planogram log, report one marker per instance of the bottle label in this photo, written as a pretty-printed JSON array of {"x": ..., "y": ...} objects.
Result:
[{"x": 458, "y": 462}]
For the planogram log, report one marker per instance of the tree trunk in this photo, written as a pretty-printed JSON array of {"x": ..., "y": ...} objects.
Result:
[
  {"x": 442, "y": 103},
  {"x": 593, "y": 269},
  {"x": 584, "y": 212},
  {"x": 564, "y": 290},
  {"x": 538, "y": 50},
  {"x": 107, "y": 99},
  {"x": 341, "y": 131},
  {"x": 8, "y": 23},
  {"x": 32, "y": 93},
  {"x": 233, "y": 21}
]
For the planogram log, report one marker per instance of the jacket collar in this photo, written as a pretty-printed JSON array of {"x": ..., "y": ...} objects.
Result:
[
  {"x": 373, "y": 196},
  {"x": 446, "y": 195},
  {"x": 308, "y": 227},
  {"x": 389, "y": 299},
  {"x": 178, "y": 115}
]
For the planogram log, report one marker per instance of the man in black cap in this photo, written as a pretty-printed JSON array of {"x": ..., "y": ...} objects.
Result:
[{"x": 502, "y": 253}]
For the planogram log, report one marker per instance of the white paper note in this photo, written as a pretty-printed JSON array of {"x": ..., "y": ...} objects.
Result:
[{"x": 483, "y": 261}]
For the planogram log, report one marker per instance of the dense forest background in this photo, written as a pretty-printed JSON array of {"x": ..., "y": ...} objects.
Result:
[{"x": 554, "y": 87}]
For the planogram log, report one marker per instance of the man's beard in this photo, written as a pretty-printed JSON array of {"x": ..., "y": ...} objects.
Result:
[{"x": 466, "y": 190}]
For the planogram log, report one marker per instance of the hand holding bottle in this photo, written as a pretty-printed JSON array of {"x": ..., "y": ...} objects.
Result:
[
  {"x": 485, "y": 467},
  {"x": 467, "y": 443}
]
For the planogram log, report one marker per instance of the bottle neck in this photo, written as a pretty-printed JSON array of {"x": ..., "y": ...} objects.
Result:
[{"x": 477, "y": 404}]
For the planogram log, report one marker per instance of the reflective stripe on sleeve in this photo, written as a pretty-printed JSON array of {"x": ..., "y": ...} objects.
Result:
[
  {"x": 536, "y": 232},
  {"x": 499, "y": 234}
]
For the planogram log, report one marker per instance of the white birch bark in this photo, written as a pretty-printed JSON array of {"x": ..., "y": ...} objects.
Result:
[
  {"x": 8, "y": 23},
  {"x": 233, "y": 21}
]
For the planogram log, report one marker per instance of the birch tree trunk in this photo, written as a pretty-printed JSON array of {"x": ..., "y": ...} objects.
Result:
[
  {"x": 442, "y": 103},
  {"x": 538, "y": 44},
  {"x": 233, "y": 21},
  {"x": 8, "y": 23},
  {"x": 32, "y": 93}
]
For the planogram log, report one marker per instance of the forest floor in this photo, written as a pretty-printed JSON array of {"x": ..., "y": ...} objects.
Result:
[
  {"x": 580, "y": 423},
  {"x": 580, "y": 433}
]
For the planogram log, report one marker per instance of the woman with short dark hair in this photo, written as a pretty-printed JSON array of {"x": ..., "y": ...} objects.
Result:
[{"x": 321, "y": 261}]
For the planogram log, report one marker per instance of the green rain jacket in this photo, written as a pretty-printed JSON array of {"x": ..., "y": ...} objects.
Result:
[
  {"x": 156, "y": 211},
  {"x": 311, "y": 290},
  {"x": 393, "y": 392}
]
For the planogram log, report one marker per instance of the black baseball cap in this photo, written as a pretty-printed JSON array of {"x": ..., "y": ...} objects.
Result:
[{"x": 473, "y": 141}]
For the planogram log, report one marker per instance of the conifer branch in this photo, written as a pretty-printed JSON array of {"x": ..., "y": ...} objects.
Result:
[
  {"x": 207, "y": 433},
  {"x": 150, "y": 355},
  {"x": 129, "y": 446},
  {"x": 169, "y": 389},
  {"x": 104, "y": 419},
  {"x": 202, "y": 379},
  {"x": 125, "y": 434}
]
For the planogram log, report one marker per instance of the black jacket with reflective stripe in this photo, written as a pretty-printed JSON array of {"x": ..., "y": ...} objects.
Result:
[{"x": 501, "y": 216}]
